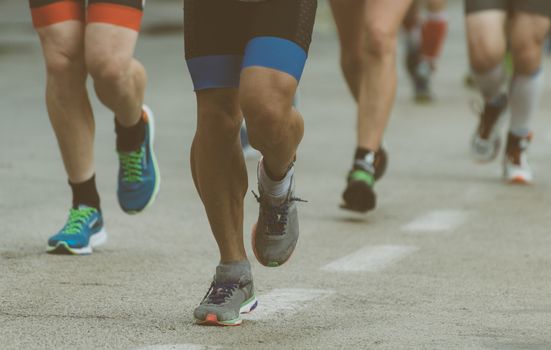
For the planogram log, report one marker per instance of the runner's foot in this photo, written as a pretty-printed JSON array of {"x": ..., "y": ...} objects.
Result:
[
  {"x": 276, "y": 232},
  {"x": 516, "y": 168},
  {"x": 83, "y": 231},
  {"x": 486, "y": 140},
  {"x": 359, "y": 195},
  {"x": 139, "y": 177},
  {"x": 228, "y": 297}
]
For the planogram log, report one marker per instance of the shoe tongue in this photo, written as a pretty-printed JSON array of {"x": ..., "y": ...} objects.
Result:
[{"x": 83, "y": 207}]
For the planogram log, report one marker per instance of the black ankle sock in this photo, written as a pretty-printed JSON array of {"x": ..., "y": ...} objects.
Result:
[
  {"x": 86, "y": 193},
  {"x": 129, "y": 139}
]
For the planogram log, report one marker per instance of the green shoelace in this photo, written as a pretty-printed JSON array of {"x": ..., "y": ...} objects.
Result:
[
  {"x": 77, "y": 219},
  {"x": 131, "y": 164}
]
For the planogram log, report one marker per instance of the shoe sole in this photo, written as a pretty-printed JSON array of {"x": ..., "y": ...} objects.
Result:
[
  {"x": 519, "y": 180},
  {"x": 359, "y": 197},
  {"x": 151, "y": 122},
  {"x": 63, "y": 248},
  {"x": 212, "y": 320}
]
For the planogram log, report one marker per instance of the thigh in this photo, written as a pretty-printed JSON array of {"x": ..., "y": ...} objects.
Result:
[
  {"x": 47, "y": 12},
  {"x": 528, "y": 32},
  {"x": 109, "y": 44},
  {"x": 486, "y": 37},
  {"x": 215, "y": 38},
  {"x": 112, "y": 31},
  {"x": 120, "y": 13},
  {"x": 349, "y": 15},
  {"x": 279, "y": 36}
]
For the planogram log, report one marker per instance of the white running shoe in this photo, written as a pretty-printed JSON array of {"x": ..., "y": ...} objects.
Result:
[{"x": 516, "y": 169}]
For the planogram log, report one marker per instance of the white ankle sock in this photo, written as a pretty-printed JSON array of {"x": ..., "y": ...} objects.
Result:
[
  {"x": 492, "y": 82},
  {"x": 275, "y": 189},
  {"x": 526, "y": 93}
]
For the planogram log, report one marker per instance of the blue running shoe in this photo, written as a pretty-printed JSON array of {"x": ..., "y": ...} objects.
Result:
[
  {"x": 83, "y": 231},
  {"x": 139, "y": 176}
]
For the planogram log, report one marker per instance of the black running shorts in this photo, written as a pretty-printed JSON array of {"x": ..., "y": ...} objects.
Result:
[
  {"x": 224, "y": 36},
  {"x": 540, "y": 7}
]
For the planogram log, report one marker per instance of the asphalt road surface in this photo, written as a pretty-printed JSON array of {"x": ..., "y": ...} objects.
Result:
[{"x": 452, "y": 258}]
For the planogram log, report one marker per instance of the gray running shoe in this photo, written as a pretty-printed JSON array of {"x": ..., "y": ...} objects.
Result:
[
  {"x": 225, "y": 302},
  {"x": 275, "y": 235}
]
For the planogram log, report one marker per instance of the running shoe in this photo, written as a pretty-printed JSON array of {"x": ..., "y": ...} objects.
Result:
[
  {"x": 83, "y": 231},
  {"x": 276, "y": 232},
  {"x": 225, "y": 302},
  {"x": 359, "y": 195},
  {"x": 423, "y": 92},
  {"x": 516, "y": 169},
  {"x": 486, "y": 141},
  {"x": 139, "y": 178}
]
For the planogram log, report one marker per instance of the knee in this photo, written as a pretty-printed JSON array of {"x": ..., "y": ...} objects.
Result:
[
  {"x": 381, "y": 42},
  {"x": 219, "y": 119},
  {"x": 526, "y": 57},
  {"x": 63, "y": 66},
  {"x": 266, "y": 116},
  {"x": 108, "y": 70},
  {"x": 484, "y": 58}
]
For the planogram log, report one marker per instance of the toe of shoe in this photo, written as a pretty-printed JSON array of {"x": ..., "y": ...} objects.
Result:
[
  {"x": 135, "y": 198},
  {"x": 202, "y": 313}
]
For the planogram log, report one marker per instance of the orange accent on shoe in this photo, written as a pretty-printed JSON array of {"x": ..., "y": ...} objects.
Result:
[
  {"x": 62, "y": 11},
  {"x": 212, "y": 318},
  {"x": 119, "y": 15},
  {"x": 519, "y": 180},
  {"x": 145, "y": 117}
]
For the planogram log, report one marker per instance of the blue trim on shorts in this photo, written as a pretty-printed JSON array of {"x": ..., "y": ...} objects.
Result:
[
  {"x": 210, "y": 72},
  {"x": 276, "y": 53}
]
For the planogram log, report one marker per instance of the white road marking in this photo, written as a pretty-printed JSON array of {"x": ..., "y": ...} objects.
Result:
[
  {"x": 284, "y": 302},
  {"x": 436, "y": 221},
  {"x": 370, "y": 259},
  {"x": 180, "y": 347}
]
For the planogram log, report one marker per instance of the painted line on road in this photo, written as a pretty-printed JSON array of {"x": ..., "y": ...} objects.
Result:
[
  {"x": 370, "y": 259},
  {"x": 180, "y": 347},
  {"x": 436, "y": 221},
  {"x": 283, "y": 302}
]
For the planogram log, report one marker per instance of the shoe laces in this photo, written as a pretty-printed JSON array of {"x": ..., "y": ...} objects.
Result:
[
  {"x": 276, "y": 216},
  {"x": 219, "y": 293},
  {"x": 77, "y": 219},
  {"x": 131, "y": 165}
]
